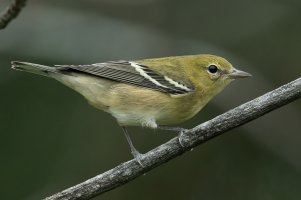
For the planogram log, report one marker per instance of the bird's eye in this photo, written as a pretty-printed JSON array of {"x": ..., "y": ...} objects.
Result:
[{"x": 212, "y": 69}]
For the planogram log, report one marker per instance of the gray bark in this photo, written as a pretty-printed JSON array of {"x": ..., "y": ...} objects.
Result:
[{"x": 11, "y": 12}]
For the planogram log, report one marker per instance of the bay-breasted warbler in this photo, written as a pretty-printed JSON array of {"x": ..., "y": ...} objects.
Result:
[{"x": 153, "y": 93}]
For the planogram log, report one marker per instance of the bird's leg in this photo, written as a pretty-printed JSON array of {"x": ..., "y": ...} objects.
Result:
[
  {"x": 180, "y": 131},
  {"x": 138, "y": 156}
]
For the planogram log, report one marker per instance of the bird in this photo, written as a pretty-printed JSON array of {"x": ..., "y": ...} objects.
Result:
[{"x": 157, "y": 93}]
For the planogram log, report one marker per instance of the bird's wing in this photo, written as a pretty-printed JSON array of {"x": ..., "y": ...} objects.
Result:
[{"x": 131, "y": 73}]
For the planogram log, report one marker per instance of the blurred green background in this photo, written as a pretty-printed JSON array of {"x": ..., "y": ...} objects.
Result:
[{"x": 52, "y": 139}]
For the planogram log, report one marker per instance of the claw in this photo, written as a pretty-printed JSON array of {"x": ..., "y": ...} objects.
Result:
[
  {"x": 138, "y": 157},
  {"x": 180, "y": 137}
]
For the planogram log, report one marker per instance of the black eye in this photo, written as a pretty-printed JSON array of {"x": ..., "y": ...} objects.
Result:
[{"x": 212, "y": 69}]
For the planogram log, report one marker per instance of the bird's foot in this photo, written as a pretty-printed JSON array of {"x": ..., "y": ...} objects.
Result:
[
  {"x": 138, "y": 157},
  {"x": 180, "y": 136},
  {"x": 179, "y": 130}
]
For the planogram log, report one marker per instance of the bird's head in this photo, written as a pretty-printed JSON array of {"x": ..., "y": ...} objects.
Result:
[{"x": 212, "y": 73}]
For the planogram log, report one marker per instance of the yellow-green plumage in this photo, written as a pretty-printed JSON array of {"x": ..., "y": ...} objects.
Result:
[
  {"x": 165, "y": 109},
  {"x": 149, "y": 92},
  {"x": 132, "y": 105}
]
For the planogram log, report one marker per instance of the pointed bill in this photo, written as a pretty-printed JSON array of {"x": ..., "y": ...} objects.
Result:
[{"x": 236, "y": 74}]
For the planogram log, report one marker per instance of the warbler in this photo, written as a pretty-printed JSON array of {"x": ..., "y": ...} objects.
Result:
[{"x": 152, "y": 93}]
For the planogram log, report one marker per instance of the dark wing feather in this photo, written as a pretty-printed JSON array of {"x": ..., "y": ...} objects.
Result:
[{"x": 124, "y": 72}]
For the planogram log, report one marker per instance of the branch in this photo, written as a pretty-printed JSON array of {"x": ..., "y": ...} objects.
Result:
[
  {"x": 11, "y": 12},
  {"x": 130, "y": 170}
]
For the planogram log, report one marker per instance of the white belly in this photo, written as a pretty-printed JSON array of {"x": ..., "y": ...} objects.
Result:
[{"x": 134, "y": 118}]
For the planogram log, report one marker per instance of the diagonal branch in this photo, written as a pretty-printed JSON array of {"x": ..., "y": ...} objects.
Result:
[
  {"x": 11, "y": 12},
  {"x": 130, "y": 170}
]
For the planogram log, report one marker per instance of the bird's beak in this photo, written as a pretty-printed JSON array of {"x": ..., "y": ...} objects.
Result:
[{"x": 236, "y": 74}]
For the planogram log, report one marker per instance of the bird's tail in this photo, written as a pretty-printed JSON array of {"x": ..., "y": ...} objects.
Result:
[{"x": 33, "y": 68}]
